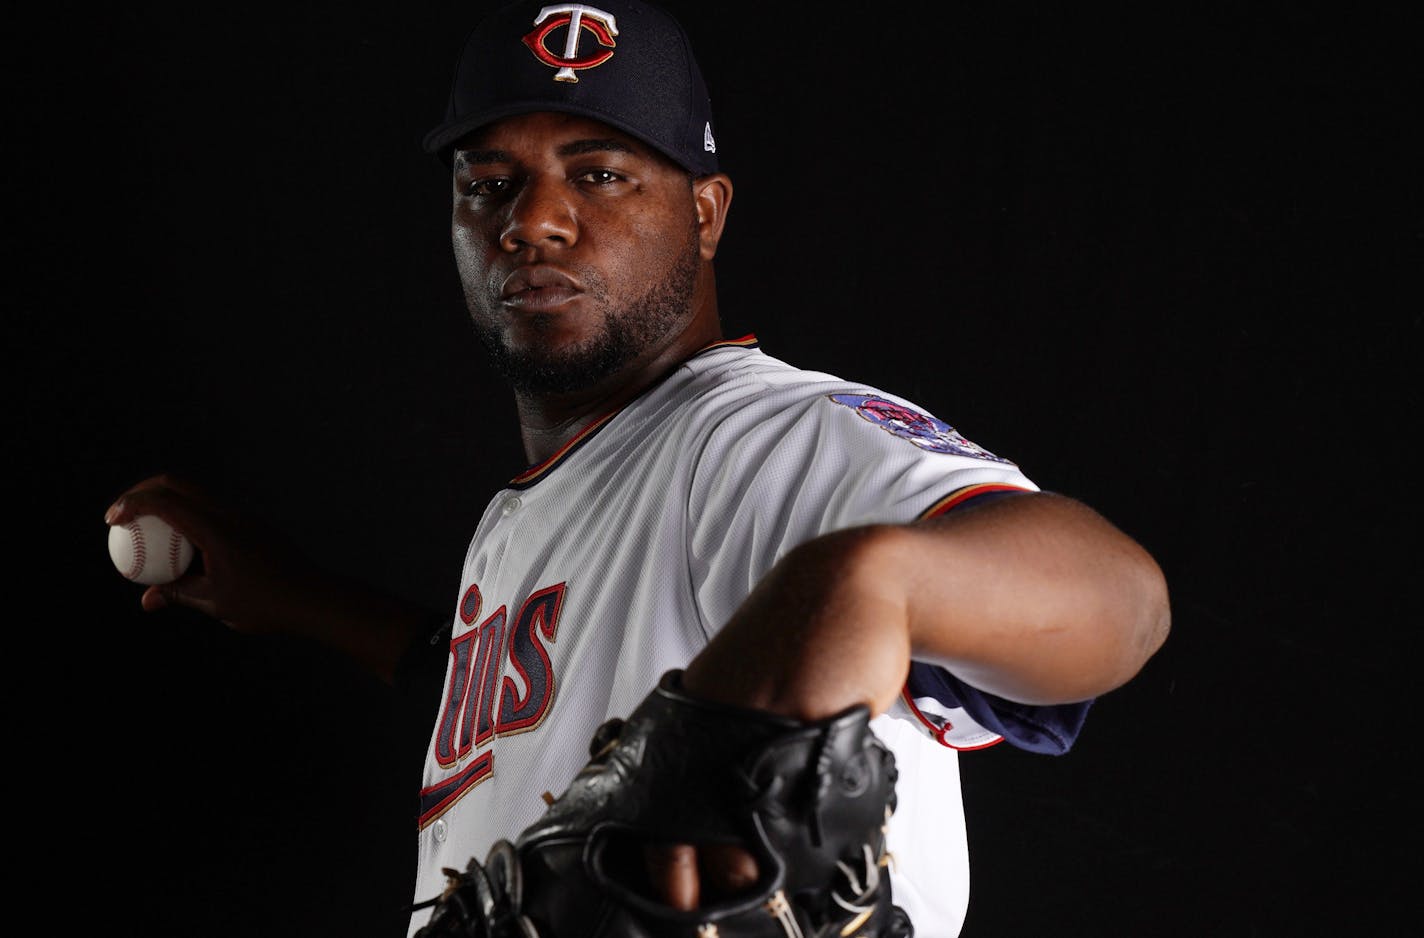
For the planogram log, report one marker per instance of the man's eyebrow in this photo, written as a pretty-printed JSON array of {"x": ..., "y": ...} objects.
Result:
[
  {"x": 595, "y": 145},
  {"x": 471, "y": 157},
  {"x": 572, "y": 148}
]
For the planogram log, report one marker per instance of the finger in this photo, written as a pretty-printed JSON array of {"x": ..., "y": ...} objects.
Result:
[
  {"x": 191, "y": 591},
  {"x": 672, "y": 870},
  {"x": 183, "y": 484},
  {"x": 134, "y": 499},
  {"x": 153, "y": 599},
  {"x": 194, "y": 519},
  {"x": 727, "y": 869},
  {"x": 162, "y": 482}
]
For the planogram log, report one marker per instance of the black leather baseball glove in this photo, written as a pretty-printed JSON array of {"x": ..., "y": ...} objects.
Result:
[{"x": 809, "y": 801}]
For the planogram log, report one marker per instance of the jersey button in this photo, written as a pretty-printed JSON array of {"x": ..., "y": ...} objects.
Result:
[
  {"x": 441, "y": 831},
  {"x": 511, "y": 505}
]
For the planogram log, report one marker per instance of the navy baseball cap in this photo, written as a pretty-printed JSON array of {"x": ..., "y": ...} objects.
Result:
[{"x": 625, "y": 63}]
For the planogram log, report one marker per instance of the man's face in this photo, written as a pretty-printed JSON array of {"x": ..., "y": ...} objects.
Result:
[{"x": 577, "y": 247}]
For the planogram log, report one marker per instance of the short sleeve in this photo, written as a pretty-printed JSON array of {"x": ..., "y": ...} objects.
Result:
[
  {"x": 800, "y": 458},
  {"x": 964, "y": 717},
  {"x": 790, "y": 462},
  {"x": 960, "y": 716}
]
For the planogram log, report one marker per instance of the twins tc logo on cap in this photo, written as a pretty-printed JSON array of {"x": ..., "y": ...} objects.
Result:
[{"x": 576, "y": 17}]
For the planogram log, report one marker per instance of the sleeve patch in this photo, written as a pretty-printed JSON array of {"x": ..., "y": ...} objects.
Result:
[{"x": 926, "y": 432}]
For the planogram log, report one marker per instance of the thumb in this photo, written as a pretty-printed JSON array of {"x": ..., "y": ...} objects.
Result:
[
  {"x": 153, "y": 599},
  {"x": 188, "y": 591}
]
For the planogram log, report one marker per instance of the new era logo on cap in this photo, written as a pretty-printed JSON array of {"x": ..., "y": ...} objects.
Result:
[{"x": 626, "y": 63}]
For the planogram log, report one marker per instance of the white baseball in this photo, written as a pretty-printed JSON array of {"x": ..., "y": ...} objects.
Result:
[{"x": 147, "y": 550}]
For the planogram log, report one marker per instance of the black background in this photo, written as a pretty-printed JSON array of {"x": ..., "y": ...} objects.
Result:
[{"x": 1158, "y": 256}]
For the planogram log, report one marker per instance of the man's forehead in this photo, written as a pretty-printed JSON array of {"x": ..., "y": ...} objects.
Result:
[{"x": 548, "y": 132}]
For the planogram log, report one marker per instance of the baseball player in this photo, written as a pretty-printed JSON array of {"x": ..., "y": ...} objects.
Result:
[{"x": 789, "y": 540}]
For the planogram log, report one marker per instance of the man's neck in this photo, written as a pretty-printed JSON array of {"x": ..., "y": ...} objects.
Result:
[{"x": 547, "y": 422}]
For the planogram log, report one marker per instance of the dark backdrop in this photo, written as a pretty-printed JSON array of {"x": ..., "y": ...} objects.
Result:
[{"x": 1156, "y": 256}]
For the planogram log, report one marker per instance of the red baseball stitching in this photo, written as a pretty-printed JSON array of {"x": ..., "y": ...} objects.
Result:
[
  {"x": 175, "y": 547},
  {"x": 136, "y": 542}
]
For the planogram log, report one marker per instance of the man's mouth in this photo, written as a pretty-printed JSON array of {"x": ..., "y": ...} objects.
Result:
[{"x": 538, "y": 289}]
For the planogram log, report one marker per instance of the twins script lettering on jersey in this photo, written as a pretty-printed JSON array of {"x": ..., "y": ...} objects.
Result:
[{"x": 482, "y": 701}]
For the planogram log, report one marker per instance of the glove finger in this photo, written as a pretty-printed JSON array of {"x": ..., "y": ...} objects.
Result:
[
  {"x": 672, "y": 872},
  {"x": 505, "y": 875}
]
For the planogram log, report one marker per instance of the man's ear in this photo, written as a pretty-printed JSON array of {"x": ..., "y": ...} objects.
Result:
[{"x": 712, "y": 196}]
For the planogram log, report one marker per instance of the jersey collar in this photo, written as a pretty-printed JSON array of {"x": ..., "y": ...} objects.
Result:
[{"x": 539, "y": 470}]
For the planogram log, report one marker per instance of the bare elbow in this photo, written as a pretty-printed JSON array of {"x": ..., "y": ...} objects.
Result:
[
  {"x": 1148, "y": 620},
  {"x": 1155, "y": 635},
  {"x": 1127, "y": 625}
]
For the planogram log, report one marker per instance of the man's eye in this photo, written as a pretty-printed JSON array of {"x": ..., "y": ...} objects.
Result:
[
  {"x": 485, "y": 188},
  {"x": 600, "y": 177}
]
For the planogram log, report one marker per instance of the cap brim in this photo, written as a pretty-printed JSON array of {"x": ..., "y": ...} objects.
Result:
[{"x": 441, "y": 140}]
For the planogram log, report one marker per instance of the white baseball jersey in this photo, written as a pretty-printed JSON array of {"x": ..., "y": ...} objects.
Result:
[{"x": 615, "y": 560}]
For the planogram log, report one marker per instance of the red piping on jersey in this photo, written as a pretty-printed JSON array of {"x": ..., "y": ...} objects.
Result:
[
  {"x": 960, "y": 496},
  {"x": 940, "y": 732},
  {"x": 539, "y": 469},
  {"x": 747, "y": 341},
  {"x": 533, "y": 472}
]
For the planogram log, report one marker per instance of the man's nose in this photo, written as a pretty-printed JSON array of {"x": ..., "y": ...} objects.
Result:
[{"x": 540, "y": 213}]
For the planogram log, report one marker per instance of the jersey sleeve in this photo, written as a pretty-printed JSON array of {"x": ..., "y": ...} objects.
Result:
[
  {"x": 959, "y": 716},
  {"x": 784, "y": 465},
  {"x": 789, "y": 465}
]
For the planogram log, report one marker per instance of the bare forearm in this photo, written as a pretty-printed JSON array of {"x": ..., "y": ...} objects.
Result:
[
  {"x": 819, "y": 633},
  {"x": 254, "y": 581},
  {"x": 1034, "y": 598},
  {"x": 370, "y": 627}
]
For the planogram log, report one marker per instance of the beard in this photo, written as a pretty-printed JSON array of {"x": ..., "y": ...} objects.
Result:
[{"x": 623, "y": 336}]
